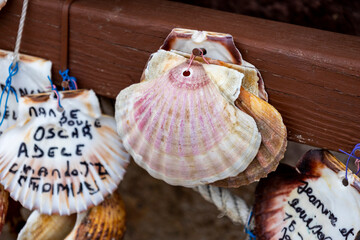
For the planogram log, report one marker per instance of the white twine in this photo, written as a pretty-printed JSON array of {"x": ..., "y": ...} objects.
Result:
[
  {"x": 20, "y": 32},
  {"x": 230, "y": 205}
]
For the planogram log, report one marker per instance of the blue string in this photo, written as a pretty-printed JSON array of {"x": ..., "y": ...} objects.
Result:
[
  {"x": 8, "y": 88},
  {"x": 72, "y": 80},
  {"x": 352, "y": 154},
  {"x": 53, "y": 87},
  {"x": 247, "y": 230}
]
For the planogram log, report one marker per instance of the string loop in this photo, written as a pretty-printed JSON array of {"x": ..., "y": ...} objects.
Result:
[
  {"x": 54, "y": 89},
  {"x": 12, "y": 72},
  {"x": 247, "y": 228},
  {"x": 351, "y": 155},
  {"x": 195, "y": 52},
  {"x": 68, "y": 81}
]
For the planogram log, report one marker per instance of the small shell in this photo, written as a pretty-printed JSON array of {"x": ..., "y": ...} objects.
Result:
[
  {"x": 220, "y": 50},
  {"x": 4, "y": 204},
  {"x": 61, "y": 162},
  {"x": 218, "y": 46},
  {"x": 185, "y": 130},
  {"x": 105, "y": 222},
  {"x": 30, "y": 78},
  {"x": 47, "y": 227},
  {"x": 268, "y": 119},
  {"x": 273, "y": 140},
  {"x": 311, "y": 203}
]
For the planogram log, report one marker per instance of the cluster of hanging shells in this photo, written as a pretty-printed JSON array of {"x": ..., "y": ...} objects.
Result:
[
  {"x": 196, "y": 120},
  {"x": 192, "y": 120}
]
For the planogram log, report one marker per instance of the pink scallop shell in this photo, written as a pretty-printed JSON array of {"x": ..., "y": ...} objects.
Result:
[{"x": 185, "y": 131}]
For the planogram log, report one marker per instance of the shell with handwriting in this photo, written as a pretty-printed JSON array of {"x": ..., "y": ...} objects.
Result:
[
  {"x": 268, "y": 120},
  {"x": 106, "y": 221},
  {"x": 31, "y": 78},
  {"x": 219, "y": 49},
  {"x": 185, "y": 129},
  {"x": 61, "y": 162},
  {"x": 309, "y": 202}
]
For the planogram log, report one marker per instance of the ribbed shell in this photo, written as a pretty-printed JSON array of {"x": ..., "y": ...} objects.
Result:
[
  {"x": 306, "y": 198},
  {"x": 220, "y": 50},
  {"x": 273, "y": 140},
  {"x": 73, "y": 170},
  {"x": 268, "y": 119},
  {"x": 47, "y": 227},
  {"x": 105, "y": 222},
  {"x": 185, "y": 130}
]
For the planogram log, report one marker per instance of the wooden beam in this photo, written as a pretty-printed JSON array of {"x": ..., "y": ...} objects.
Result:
[{"x": 312, "y": 76}]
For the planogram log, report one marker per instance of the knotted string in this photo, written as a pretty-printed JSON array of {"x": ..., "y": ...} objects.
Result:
[
  {"x": 54, "y": 89},
  {"x": 8, "y": 88},
  {"x": 14, "y": 67},
  {"x": 68, "y": 81},
  {"x": 352, "y": 154}
]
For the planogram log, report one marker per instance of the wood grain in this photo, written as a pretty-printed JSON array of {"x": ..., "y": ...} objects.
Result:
[{"x": 312, "y": 76}]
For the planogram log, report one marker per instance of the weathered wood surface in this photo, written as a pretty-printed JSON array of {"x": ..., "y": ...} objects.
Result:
[{"x": 312, "y": 76}]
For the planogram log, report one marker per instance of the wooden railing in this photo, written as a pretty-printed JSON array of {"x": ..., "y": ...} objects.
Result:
[{"x": 312, "y": 76}]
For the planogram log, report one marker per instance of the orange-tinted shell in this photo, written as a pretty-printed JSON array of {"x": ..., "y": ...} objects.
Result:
[
  {"x": 4, "y": 204},
  {"x": 273, "y": 140},
  {"x": 105, "y": 222}
]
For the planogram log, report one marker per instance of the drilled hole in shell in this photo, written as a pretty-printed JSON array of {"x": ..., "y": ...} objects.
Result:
[
  {"x": 345, "y": 182},
  {"x": 60, "y": 109},
  {"x": 357, "y": 153},
  {"x": 186, "y": 73}
]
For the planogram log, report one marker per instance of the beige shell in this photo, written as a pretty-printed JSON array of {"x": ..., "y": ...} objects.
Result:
[
  {"x": 220, "y": 50},
  {"x": 61, "y": 162},
  {"x": 186, "y": 130},
  {"x": 309, "y": 202},
  {"x": 105, "y": 221},
  {"x": 268, "y": 119},
  {"x": 47, "y": 227},
  {"x": 31, "y": 78}
]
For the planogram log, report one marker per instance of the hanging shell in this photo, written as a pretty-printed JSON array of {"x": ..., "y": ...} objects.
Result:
[
  {"x": 105, "y": 222},
  {"x": 309, "y": 202},
  {"x": 221, "y": 50},
  {"x": 47, "y": 227},
  {"x": 61, "y": 162},
  {"x": 30, "y": 78},
  {"x": 4, "y": 204},
  {"x": 268, "y": 120},
  {"x": 182, "y": 129}
]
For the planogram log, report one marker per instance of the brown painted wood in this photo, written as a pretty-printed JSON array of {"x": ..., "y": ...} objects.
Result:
[{"x": 312, "y": 76}]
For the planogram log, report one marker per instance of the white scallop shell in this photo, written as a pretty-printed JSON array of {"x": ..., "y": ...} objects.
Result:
[
  {"x": 61, "y": 162},
  {"x": 30, "y": 78},
  {"x": 186, "y": 130}
]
